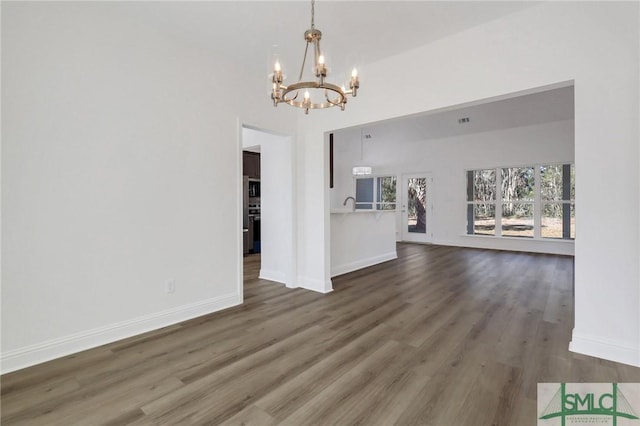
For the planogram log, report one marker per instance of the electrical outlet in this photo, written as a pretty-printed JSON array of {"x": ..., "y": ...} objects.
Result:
[{"x": 170, "y": 287}]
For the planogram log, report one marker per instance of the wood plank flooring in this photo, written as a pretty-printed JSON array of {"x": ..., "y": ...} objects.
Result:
[{"x": 441, "y": 336}]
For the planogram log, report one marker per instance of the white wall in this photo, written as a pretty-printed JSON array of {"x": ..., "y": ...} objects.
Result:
[
  {"x": 312, "y": 207},
  {"x": 448, "y": 159},
  {"x": 595, "y": 44},
  {"x": 276, "y": 199},
  {"x": 120, "y": 172}
]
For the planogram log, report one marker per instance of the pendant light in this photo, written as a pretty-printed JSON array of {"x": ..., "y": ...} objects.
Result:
[{"x": 362, "y": 170}]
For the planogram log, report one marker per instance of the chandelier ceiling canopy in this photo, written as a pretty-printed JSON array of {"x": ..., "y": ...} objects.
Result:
[{"x": 318, "y": 93}]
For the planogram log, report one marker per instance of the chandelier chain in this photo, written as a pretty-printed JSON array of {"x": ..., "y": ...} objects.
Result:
[{"x": 313, "y": 14}]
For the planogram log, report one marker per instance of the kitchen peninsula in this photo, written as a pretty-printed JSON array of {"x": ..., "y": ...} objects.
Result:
[{"x": 361, "y": 238}]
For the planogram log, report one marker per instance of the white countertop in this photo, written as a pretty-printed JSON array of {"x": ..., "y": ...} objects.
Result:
[{"x": 343, "y": 211}]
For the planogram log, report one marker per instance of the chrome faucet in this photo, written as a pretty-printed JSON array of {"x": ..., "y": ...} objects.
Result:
[{"x": 354, "y": 202}]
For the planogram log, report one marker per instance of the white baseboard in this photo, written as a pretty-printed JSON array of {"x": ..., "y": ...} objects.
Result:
[
  {"x": 528, "y": 245},
  {"x": 41, "y": 352},
  {"x": 362, "y": 263},
  {"x": 315, "y": 285},
  {"x": 605, "y": 349},
  {"x": 275, "y": 276}
]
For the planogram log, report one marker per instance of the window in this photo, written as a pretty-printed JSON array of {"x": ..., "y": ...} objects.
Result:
[
  {"x": 531, "y": 202},
  {"x": 517, "y": 189},
  {"x": 558, "y": 192},
  {"x": 364, "y": 193},
  {"x": 481, "y": 202},
  {"x": 376, "y": 193},
  {"x": 386, "y": 193}
]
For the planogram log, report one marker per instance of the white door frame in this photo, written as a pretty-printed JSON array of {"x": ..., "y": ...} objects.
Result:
[
  {"x": 281, "y": 267},
  {"x": 417, "y": 237}
]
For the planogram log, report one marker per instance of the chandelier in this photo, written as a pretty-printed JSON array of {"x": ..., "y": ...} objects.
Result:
[{"x": 318, "y": 94}]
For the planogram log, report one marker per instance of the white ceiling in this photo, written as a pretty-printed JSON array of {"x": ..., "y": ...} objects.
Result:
[
  {"x": 353, "y": 31},
  {"x": 523, "y": 110}
]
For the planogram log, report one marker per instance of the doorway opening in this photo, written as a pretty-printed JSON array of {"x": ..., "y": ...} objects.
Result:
[
  {"x": 524, "y": 130},
  {"x": 267, "y": 198},
  {"x": 417, "y": 207}
]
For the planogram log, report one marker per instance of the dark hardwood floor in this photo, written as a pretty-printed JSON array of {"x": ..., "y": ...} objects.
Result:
[{"x": 441, "y": 336}]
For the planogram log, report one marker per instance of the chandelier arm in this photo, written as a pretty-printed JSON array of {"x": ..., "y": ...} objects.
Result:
[
  {"x": 340, "y": 104},
  {"x": 304, "y": 60},
  {"x": 333, "y": 103},
  {"x": 326, "y": 96}
]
